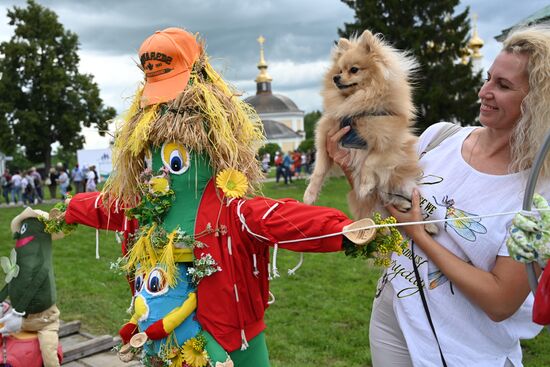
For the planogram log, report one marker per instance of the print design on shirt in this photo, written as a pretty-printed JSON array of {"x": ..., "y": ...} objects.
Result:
[
  {"x": 465, "y": 228},
  {"x": 436, "y": 278}
]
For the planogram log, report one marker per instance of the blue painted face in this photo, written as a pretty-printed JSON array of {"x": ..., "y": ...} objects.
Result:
[{"x": 154, "y": 299}]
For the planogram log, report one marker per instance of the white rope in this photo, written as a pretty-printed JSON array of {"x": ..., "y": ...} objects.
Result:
[
  {"x": 274, "y": 267},
  {"x": 270, "y": 210},
  {"x": 271, "y": 298},
  {"x": 256, "y": 272},
  {"x": 243, "y": 221},
  {"x": 404, "y": 224},
  {"x": 97, "y": 243},
  {"x": 294, "y": 269}
]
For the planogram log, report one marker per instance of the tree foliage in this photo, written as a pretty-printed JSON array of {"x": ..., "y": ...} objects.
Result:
[
  {"x": 44, "y": 98},
  {"x": 310, "y": 121},
  {"x": 446, "y": 89}
]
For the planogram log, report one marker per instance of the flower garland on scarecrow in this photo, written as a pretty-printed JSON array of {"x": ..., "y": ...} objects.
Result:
[{"x": 196, "y": 250}]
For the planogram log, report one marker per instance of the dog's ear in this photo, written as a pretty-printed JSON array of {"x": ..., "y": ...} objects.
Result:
[
  {"x": 343, "y": 44},
  {"x": 367, "y": 40}
]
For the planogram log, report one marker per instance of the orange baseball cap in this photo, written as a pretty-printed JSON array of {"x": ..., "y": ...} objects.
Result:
[{"x": 167, "y": 58}]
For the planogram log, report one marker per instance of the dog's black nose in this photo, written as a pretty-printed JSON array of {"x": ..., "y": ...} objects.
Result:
[{"x": 336, "y": 78}]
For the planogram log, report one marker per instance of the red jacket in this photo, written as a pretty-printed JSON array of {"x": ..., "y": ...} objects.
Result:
[{"x": 238, "y": 234}]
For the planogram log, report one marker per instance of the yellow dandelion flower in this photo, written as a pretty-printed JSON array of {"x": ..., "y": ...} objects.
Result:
[
  {"x": 232, "y": 182},
  {"x": 194, "y": 357},
  {"x": 159, "y": 185}
]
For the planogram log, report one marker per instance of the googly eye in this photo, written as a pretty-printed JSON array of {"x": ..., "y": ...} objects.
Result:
[
  {"x": 138, "y": 282},
  {"x": 175, "y": 157},
  {"x": 156, "y": 282},
  {"x": 23, "y": 228}
]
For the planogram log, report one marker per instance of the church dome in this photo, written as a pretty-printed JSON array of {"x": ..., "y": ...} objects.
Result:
[{"x": 271, "y": 103}]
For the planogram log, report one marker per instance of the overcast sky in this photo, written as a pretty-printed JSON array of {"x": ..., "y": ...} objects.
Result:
[{"x": 299, "y": 36}]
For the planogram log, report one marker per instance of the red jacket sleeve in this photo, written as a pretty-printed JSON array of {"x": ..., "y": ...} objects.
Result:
[
  {"x": 287, "y": 219},
  {"x": 87, "y": 209}
]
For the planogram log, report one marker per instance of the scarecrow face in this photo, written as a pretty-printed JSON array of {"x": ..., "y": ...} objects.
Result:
[
  {"x": 189, "y": 173},
  {"x": 154, "y": 299}
]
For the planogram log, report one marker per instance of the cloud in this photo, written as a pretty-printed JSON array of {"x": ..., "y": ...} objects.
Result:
[{"x": 299, "y": 36}]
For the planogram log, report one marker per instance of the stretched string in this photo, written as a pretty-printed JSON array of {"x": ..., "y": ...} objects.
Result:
[{"x": 410, "y": 224}]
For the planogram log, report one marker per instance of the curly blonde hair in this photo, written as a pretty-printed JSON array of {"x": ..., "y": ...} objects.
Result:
[{"x": 531, "y": 129}]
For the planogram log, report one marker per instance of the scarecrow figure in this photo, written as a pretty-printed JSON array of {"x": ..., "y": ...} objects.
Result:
[
  {"x": 31, "y": 290},
  {"x": 195, "y": 248}
]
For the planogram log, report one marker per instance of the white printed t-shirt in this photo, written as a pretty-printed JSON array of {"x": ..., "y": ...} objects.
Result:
[{"x": 451, "y": 188}]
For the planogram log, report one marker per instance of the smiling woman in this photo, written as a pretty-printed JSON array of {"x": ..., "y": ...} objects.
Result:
[{"x": 465, "y": 274}]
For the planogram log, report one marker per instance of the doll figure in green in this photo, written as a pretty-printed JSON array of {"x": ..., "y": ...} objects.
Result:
[{"x": 182, "y": 192}]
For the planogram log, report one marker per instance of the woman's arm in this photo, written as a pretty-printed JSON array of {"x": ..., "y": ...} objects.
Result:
[{"x": 499, "y": 292}]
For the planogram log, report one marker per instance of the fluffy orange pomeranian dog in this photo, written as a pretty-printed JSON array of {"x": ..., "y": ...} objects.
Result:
[{"x": 368, "y": 87}]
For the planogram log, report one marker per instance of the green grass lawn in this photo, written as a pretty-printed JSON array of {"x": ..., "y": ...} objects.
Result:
[{"x": 320, "y": 316}]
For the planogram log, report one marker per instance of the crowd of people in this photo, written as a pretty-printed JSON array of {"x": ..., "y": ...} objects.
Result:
[
  {"x": 27, "y": 186},
  {"x": 291, "y": 165}
]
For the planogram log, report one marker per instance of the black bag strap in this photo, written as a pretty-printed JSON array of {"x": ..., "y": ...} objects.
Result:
[{"x": 425, "y": 303}]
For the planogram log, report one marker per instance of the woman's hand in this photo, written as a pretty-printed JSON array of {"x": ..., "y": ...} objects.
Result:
[
  {"x": 415, "y": 231},
  {"x": 341, "y": 156}
]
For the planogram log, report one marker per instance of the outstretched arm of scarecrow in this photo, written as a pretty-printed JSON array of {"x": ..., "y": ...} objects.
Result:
[
  {"x": 88, "y": 209},
  {"x": 287, "y": 219},
  {"x": 529, "y": 238}
]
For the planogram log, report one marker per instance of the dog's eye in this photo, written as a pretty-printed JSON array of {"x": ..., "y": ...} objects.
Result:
[{"x": 354, "y": 70}]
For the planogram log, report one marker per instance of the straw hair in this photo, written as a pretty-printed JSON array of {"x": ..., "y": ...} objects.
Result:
[
  {"x": 208, "y": 117},
  {"x": 532, "y": 127}
]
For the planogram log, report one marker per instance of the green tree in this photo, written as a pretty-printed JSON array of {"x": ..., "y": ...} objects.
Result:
[
  {"x": 445, "y": 89},
  {"x": 310, "y": 121},
  {"x": 44, "y": 97}
]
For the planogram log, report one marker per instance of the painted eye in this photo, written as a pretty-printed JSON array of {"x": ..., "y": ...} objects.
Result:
[
  {"x": 23, "y": 228},
  {"x": 354, "y": 70},
  {"x": 156, "y": 283},
  {"x": 175, "y": 157},
  {"x": 138, "y": 282}
]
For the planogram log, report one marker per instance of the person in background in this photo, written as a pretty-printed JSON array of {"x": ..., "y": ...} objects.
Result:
[
  {"x": 16, "y": 187},
  {"x": 297, "y": 159},
  {"x": 279, "y": 169},
  {"x": 90, "y": 180},
  {"x": 77, "y": 178},
  {"x": 53, "y": 176},
  {"x": 287, "y": 163},
  {"x": 470, "y": 303},
  {"x": 37, "y": 178},
  {"x": 265, "y": 163},
  {"x": 27, "y": 188},
  {"x": 96, "y": 175},
  {"x": 63, "y": 182},
  {"x": 5, "y": 180}
]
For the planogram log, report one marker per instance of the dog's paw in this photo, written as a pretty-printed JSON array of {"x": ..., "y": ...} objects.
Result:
[
  {"x": 431, "y": 228},
  {"x": 310, "y": 196},
  {"x": 401, "y": 204}
]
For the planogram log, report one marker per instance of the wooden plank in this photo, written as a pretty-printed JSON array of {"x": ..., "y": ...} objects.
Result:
[
  {"x": 73, "y": 339},
  {"x": 68, "y": 328},
  {"x": 89, "y": 347}
]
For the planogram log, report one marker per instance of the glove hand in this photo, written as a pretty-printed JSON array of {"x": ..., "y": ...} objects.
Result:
[
  {"x": 12, "y": 321},
  {"x": 127, "y": 331},
  {"x": 360, "y": 236},
  {"x": 529, "y": 238}
]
